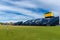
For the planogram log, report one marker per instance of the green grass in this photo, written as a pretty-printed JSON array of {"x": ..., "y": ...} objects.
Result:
[{"x": 29, "y": 32}]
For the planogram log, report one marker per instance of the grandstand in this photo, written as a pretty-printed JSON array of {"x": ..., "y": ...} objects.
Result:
[
  {"x": 49, "y": 20},
  {"x": 43, "y": 21}
]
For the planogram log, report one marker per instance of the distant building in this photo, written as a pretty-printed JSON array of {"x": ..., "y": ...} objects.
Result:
[{"x": 11, "y": 23}]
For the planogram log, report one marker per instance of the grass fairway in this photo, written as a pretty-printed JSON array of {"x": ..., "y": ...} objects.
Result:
[{"x": 29, "y": 33}]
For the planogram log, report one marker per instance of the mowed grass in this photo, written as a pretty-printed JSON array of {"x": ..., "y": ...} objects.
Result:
[{"x": 29, "y": 32}]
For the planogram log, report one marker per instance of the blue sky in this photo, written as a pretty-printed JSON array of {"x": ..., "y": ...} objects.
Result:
[{"x": 22, "y": 10}]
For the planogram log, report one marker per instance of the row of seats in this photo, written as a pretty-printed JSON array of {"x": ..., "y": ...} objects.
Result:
[
  {"x": 40, "y": 21},
  {"x": 43, "y": 21}
]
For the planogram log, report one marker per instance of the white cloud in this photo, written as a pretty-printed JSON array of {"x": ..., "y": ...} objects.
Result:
[
  {"x": 51, "y": 5},
  {"x": 21, "y": 10}
]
